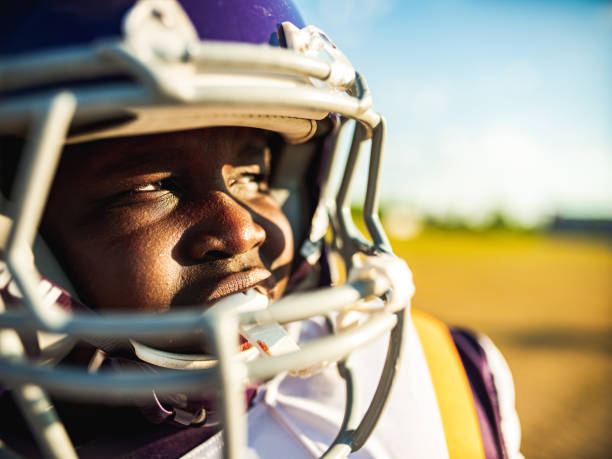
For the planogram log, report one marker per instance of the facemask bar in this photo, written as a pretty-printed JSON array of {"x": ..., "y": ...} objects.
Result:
[
  {"x": 222, "y": 325},
  {"x": 356, "y": 429},
  {"x": 160, "y": 84},
  {"x": 45, "y": 143},
  {"x": 370, "y": 207},
  {"x": 348, "y": 239},
  {"x": 40, "y": 157},
  {"x": 40, "y": 415},
  {"x": 33, "y": 182}
]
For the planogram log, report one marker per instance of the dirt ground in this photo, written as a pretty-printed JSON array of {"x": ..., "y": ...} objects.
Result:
[{"x": 546, "y": 301}]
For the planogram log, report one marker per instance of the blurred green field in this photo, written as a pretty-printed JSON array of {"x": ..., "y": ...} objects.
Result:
[{"x": 546, "y": 301}]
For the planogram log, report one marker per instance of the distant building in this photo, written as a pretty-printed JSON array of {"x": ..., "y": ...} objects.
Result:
[{"x": 586, "y": 226}]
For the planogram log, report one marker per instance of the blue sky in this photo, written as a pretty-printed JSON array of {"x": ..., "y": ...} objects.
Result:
[{"x": 491, "y": 105}]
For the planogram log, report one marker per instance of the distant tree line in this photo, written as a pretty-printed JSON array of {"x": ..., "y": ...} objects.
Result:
[{"x": 500, "y": 221}]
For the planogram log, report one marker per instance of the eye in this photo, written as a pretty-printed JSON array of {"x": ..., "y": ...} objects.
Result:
[
  {"x": 247, "y": 178},
  {"x": 164, "y": 190},
  {"x": 158, "y": 185},
  {"x": 250, "y": 182}
]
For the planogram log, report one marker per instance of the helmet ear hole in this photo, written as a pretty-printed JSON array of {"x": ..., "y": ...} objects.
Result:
[{"x": 280, "y": 36}]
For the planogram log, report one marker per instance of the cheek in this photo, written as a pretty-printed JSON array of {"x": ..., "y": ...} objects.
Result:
[
  {"x": 128, "y": 271},
  {"x": 277, "y": 251}
]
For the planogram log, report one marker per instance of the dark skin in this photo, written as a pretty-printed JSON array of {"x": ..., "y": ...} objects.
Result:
[{"x": 161, "y": 221}]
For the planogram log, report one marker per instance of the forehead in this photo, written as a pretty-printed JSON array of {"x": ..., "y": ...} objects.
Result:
[{"x": 211, "y": 145}]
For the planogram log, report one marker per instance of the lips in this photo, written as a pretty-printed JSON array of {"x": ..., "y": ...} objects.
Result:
[
  {"x": 239, "y": 282},
  {"x": 194, "y": 343}
]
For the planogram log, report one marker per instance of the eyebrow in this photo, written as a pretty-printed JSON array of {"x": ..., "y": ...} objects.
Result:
[
  {"x": 134, "y": 158},
  {"x": 125, "y": 163}
]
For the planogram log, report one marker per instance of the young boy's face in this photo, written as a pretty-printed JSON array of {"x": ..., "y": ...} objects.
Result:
[{"x": 154, "y": 222}]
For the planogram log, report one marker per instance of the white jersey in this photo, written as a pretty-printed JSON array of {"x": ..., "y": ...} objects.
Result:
[{"x": 299, "y": 418}]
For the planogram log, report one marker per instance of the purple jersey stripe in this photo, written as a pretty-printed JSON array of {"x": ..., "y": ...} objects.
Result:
[{"x": 483, "y": 390}]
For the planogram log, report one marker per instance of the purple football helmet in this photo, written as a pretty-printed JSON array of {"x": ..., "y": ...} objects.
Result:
[{"x": 74, "y": 72}]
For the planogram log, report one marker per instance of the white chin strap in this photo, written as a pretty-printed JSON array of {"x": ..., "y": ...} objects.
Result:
[
  {"x": 269, "y": 339},
  {"x": 178, "y": 361}
]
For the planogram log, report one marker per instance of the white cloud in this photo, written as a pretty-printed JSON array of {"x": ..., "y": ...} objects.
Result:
[{"x": 507, "y": 168}]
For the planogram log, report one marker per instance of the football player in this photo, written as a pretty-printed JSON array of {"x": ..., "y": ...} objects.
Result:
[{"x": 181, "y": 275}]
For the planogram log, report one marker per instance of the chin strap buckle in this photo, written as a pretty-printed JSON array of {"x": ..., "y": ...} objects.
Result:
[
  {"x": 383, "y": 267},
  {"x": 271, "y": 338}
]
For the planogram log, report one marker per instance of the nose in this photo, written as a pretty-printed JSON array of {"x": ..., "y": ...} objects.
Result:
[{"x": 225, "y": 230}]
